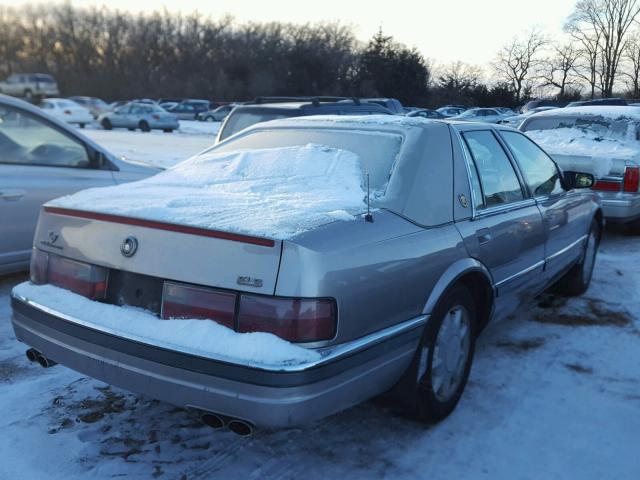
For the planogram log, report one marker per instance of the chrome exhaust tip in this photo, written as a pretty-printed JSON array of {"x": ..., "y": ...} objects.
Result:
[
  {"x": 32, "y": 354},
  {"x": 45, "y": 362},
  {"x": 240, "y": 427},
  {"x": 212, "y": 420}
]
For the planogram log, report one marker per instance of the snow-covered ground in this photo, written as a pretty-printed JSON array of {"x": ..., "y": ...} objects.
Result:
[
  {"x": 157, "y": 147},
  {"x": 554, "y": 393}
]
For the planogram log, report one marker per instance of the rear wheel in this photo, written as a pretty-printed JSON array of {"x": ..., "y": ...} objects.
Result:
[
  {"x": 106, "y": 124},
  {"x": 433, "y": 384},
  {"x": 28, "y": 94},
  {"x": 577, "y": 280},
  {"x": 209, "y": 119},
  {"x": 144, "y": 126}
]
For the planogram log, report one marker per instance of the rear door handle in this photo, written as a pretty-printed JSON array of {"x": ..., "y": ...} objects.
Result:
[
  {"x": 12, "y": 194},
  {"x": 483, "y": 235}
]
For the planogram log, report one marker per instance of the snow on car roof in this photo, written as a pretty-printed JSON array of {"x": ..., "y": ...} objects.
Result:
[
  {"x": 272, "y": 192},
  {"x": 356, "y": 120},
  {"x": 607, "y": 111}
]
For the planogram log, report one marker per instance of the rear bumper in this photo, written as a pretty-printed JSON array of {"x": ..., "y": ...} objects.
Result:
[
  {"x": 345, "y": 376},
  {"x": 621, "y": 209}
]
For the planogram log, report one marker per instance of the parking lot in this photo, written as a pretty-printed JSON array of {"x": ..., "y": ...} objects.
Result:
[{"x": 554, "y": 393}]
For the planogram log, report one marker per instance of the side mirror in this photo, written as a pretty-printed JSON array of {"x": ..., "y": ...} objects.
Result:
[{"x": 578, "y": 180}]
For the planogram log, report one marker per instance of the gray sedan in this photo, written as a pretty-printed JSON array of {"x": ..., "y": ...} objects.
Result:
[
  {"x": 143, "y": 116},
  {"x": 466, "y": 221},
  {"x": 42, "y": 158}
]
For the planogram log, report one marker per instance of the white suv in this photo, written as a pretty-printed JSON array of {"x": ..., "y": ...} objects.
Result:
[{"x": 29, "y": 85}]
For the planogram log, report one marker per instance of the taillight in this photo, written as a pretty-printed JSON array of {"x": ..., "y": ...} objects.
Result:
[
  {"x": 184, "y": 301},
  {"x": 293, "y": 319},
  {"x": 606, "y": 186},
  {"x": 82, "y": 278},
  {"x": 631, "y": 179}
]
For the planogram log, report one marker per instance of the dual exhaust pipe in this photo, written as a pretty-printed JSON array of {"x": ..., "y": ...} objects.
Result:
[
  {"x": 218, "y": 422},
  {"x": 34, "y": 355}
]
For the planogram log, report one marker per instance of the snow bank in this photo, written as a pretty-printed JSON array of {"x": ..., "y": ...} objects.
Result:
[
  {"x": 611, "y": 112},
  {"x": 276, "y": 193},
  {"x": 201, "y": 337}
]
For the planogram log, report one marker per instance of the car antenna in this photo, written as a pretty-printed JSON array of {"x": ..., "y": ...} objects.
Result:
[{"x": 368, "y": 217}]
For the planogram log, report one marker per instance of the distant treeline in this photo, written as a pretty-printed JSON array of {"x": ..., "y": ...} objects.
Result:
[{"x": 117, "y": 55}]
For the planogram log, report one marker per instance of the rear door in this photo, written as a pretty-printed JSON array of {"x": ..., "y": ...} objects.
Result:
[
  {"x": 38, "y": 162},
  {"x": 565, "y": 214},
  {"x": 506, "y": 232}
]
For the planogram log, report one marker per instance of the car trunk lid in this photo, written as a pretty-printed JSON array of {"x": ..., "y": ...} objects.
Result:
[{"x": 162, "y": 250}]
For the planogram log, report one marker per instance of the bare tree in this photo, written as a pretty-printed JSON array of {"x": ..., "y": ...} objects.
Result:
[
  {"x": 459, "y": 76},
  {"x": 558, "y": 70},
  {"x": 517, "y": 62},
  {"x": 632, "y": 71},
  {"x": 609, "y": 22},
  {"x": 588, "y": 48}
]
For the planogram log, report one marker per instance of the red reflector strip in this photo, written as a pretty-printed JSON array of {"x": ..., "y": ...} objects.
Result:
[
  {"x": 170, "y": 227},
  {"x": 607, "y": 186}
]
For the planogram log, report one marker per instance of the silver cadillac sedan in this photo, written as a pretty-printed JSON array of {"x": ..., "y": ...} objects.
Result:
[{"x": 306, "y": 265}]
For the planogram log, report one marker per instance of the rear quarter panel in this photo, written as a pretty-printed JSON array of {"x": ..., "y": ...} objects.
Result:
[{"x": 380, "y": 273}]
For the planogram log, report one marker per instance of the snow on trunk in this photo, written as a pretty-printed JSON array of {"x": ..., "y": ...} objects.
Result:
[{"x": 275, "y": 192}]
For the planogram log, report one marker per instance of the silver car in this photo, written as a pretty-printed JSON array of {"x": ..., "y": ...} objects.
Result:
[
  {"x": 143, "y": 116},
  {"x": 488, "y": 115},
  {"x": 42, "y": 158},
  {"x": 600, "y": 140},
  {"x": 465, "y": 221}
]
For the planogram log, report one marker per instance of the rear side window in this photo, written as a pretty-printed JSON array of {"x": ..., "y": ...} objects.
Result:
[
  {"x": 498, "y": 179},
  {"x": 238, "y": 120},
  {"x": 540, "y": 173}
]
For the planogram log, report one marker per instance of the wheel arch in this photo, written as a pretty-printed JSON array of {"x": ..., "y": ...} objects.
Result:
[{"x": 476, "y": 277}]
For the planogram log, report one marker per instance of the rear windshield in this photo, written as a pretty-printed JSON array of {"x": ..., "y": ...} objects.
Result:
[
  {"x": 620, "y": 128},
  {"x": 241, "y": 119},
  {"x": 377, "y": 150}
]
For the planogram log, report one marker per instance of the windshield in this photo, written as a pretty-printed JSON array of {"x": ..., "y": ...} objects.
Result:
[
  {"x": 622, "y": 128},
  {"x": 470, "y": 113},
  {"x": 377, "y": 151}
]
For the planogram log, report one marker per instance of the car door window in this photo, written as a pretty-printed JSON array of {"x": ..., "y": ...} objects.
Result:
[
  {"x": 498, "y": 179},
  {"x": 540, "y": 172},
  {"x": 28, "y": 140}
]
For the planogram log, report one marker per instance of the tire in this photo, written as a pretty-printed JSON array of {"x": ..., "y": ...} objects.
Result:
[
  {"x": 576, "y": 281},
  {"x": 433, "y": 384},
  {"x": 81, "y": 125},
  {"x": 106, "y": 124},
  {"x": 144, "y": 126},
  {"x": 28, "y": 94},
  {"x": 634, "y": 227},
  {"x": 209, "y": 119}
]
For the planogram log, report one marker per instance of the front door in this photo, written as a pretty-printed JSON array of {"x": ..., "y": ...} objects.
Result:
[{"x": 38, "y": 162}]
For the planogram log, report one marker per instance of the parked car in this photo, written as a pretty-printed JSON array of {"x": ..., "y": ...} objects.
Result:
[
  {"x": 143, "y": 116},
  {"x": 96, "y": 106},
  {"x": 216, "y": 115},
  {"x": 41, "y": 158},
  {"x": 268, "y": 232},
  {"x": 67, "y": 111},
  {"x": 30, "y": 85},
  {"x": 451, "y": 111},
  {"x": 392, "y": 104},
  {"x": 189, "y": 109},
  {"x": 598, "y": 101},
  {"x": 541, "y": 102},
  {"x": 425, "y": 113},
  {"x": 263, "y": 109},
  {"x": 487, "y": 115},
  {"x": 600, "y": 140},
  {"x": 515, "y": 120}
]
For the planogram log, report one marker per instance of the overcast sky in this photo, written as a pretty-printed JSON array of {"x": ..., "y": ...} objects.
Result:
[{"x": 443, "y": 30}]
